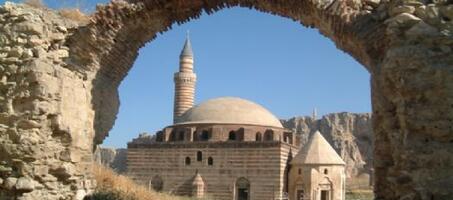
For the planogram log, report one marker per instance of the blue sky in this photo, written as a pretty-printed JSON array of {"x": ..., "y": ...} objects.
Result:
[{"x": 271, "y": 60}]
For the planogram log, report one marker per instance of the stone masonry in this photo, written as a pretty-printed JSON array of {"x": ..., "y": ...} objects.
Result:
[
  {"x": 44, "y": 150},
  {"x": 59, "y": 82}
]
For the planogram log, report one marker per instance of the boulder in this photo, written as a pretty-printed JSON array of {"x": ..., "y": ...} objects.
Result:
[
  {"x": 25, "y": 184},
  {"x": 9, "y": 183}
]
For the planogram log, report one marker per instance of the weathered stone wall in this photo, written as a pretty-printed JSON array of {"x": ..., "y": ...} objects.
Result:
[
  {"x": 412, "y": 95},
  {"x": 65, "y": 98},
  {"x": 45, "y": 115},
  {"x": 350, "y": 134}
]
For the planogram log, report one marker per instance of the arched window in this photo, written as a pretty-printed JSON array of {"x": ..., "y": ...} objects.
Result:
[
  {"x": 187, "y": 161},
  {"x": 204, "y": 135},
  {"x": 300, "y": 171},
  {"x": 210, "y": 161},
  {"x": 181, "y": 136},
  {"x": 326, "y": 171},
  {"x": 269, "y": 135},
  {"x": 258, "y": 136},
  {"x": 232, "y": 136},
  {"x": 173, "y": 136},
  {"x": 157, "y": 184},
  {"x": 199, "y": 156}
]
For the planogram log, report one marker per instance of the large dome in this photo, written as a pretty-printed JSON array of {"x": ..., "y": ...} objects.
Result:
[{"x": 229, "y": 110}]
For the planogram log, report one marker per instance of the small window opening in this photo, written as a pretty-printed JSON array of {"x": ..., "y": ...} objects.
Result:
[
  {"x": 326, "y": 171},
  {"x": 187, "y": 161},
  {"x": 199, "y": 156},
  {"x": 258, "y": 136},
  {"x": 300, "y": 171},
  {"x": 173, "y": 136},
  {"x": 205, "y": 135},
  {"x": 210, "y": 161},
  {"x": 181, "y": 136},
  {"x": 232, "y": 136}
]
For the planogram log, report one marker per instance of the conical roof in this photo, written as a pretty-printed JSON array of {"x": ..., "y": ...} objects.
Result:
[
  {"x": 187, "y": 49},
  {"x": 317, "y": 151},
  {"x": 197, "y": 180}
]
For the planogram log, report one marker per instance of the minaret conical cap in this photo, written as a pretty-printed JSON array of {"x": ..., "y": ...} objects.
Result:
[
  {"x": 317, "y": 151},
  {"x": 187, "y": 49}
]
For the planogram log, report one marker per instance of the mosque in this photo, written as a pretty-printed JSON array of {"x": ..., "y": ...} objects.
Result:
[{"x": 229, "y": 148}]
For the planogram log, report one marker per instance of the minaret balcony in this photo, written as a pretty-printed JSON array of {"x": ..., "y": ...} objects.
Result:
[{"x": 185, "y": 77}]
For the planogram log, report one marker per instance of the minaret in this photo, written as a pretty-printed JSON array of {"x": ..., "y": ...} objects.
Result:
[
  {"x": 185, "y": 81},
  {"x": 315, "y": 114}
]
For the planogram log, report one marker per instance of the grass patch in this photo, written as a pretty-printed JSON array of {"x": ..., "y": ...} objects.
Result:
[
  {"x": 112, "y": 186},
  {"x": 360, "y": 195}
]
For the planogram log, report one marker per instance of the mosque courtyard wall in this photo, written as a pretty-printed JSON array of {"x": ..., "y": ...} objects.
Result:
[{"x": 263, "y": 164}]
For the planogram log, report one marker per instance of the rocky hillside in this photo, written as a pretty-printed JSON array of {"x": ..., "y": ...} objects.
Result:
[{"x": 351, "y": 136}]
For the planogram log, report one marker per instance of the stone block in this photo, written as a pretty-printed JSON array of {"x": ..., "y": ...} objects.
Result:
[
  {"x": 9, "y": 183},
  {"x": 25, "y": 184},
  {"x": 29, "y": 27}
]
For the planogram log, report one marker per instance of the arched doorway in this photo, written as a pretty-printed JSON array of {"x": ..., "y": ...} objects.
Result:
[
  {"x": 325, "y": 189},
  {"x": 157, "y": 184},
  {"x": 242, "y": 188}
]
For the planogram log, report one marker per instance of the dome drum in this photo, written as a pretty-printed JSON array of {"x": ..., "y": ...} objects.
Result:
[{"x": 224, "y": 133}]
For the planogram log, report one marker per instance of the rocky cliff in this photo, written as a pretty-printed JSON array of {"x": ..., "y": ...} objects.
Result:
[
  {"x": 111, "y": 157},
  {"x": 350, "y": 134}
]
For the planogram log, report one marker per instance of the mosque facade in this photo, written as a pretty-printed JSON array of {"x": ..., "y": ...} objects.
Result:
[{"x": 229, "y": 148}]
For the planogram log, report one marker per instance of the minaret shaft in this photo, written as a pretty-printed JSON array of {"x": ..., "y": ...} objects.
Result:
[{"x": 185, "y": 81}]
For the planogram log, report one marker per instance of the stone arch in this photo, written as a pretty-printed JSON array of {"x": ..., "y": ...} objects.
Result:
[
  {"x": 104, "y": 50},
  {"x": 404, "y": 52},
  {"x": 242, "y": 189},
  {"x": 119, "y": 29}
]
